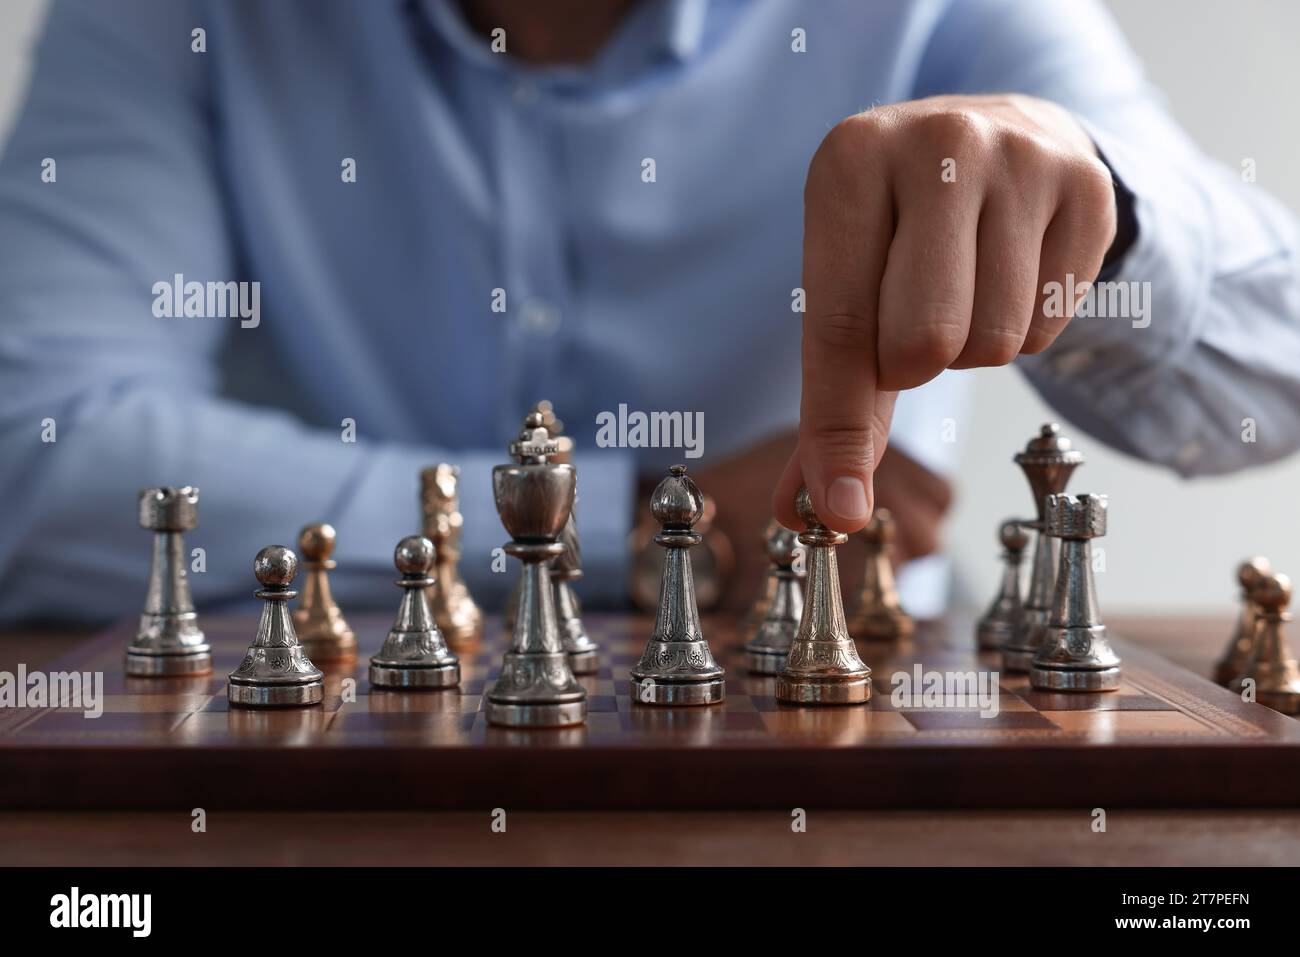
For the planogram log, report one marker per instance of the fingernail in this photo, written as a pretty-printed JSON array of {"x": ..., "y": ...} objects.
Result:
[{"x": 847, "y": 498}]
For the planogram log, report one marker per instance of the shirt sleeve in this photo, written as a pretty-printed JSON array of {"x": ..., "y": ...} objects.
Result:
[
  {"x": 121, "y": 105},
  {"x": 1201, "y": 373}
]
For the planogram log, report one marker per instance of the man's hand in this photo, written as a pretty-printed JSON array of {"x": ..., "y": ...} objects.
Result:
[
  {"x": 930, "y": 229},
  {"x": 918, "y": 498}
]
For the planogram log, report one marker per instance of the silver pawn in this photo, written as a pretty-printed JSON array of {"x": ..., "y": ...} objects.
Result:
[
  {"x": 534, "y": 497},
  {"x": 1075, "y": 654},
  {"x": 754, "y": 616},
  {"x": 169, "y": 641},
  {"x": 998, "y": 623},
  {"x": 415, "y": 654},
  {"x": 276, "y": 672},
  {"x": 1048, "y": 461},
  {"x": 767, "y": 650},
  {"x": 573, "y": 633},
  {"x": 677, "y": 667}
]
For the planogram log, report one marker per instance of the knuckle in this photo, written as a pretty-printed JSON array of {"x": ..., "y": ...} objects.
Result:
[
  {"x": 951, "y": 129},
  {"x": 841, "y": 330},
  {"x": 1023, "y": 152},
  {"x": 1092, "y": 191},
  {"x": 936, "y": 344},
  {"x": 995, "y": 346},
  {"x": 1042, "y": 334},
  {"x": 846, "y": 440},
  {"x": 848, "y": 147}
]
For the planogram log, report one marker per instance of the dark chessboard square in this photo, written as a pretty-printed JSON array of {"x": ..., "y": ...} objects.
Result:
[
  {"x": 437, "y": 723},
  {"x": 939, "y": 720},
  {"x": 601, "y": 702}
]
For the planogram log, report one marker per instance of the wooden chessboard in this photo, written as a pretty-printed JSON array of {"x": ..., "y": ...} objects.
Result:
[{"x": 1166, "y": 738}]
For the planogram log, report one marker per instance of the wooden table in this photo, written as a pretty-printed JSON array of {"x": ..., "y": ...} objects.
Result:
[{"x": 998, "y": 837}]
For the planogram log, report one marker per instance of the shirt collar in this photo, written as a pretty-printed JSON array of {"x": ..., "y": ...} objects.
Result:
[{"x": 654, "y": 30}]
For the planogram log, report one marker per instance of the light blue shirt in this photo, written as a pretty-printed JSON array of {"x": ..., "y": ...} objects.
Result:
[{"x": 626, "y": 232}]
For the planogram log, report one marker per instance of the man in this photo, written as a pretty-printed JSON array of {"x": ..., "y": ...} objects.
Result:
[{"x": 454, "y": 209}]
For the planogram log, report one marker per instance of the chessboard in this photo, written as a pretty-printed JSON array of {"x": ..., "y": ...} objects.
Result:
[{"x": 1166, "y": 738}]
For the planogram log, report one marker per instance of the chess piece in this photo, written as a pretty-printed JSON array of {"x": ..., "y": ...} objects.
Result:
[
  {"x": 1275, "y": 672},
  {"x": 753, "y": 618},
  {"x": 767, "y": 650},
  {"x": 1074, "y": 654},
  {"x": 573, "y": 633},
  {"x": 458, "y": 617},
  {"x": 878, "y": 615},
  {"x": 677, "y": 667},
  {"x": 995, "y": 628},
  {"x": 1249, "y": 575},
  {"x": 823, "y": 667},
  {"x": 169, "y": 640},
  {"x": 275, "y": 672},
  {"x": 414, "y": 655},
  {"x": 1048, "y": 461},
  {"x": 533, "y": 498},
  {"x": 711, "y": 563},
  {"x": 324, "y": 634},
  {"x": 555, "y": 429}
]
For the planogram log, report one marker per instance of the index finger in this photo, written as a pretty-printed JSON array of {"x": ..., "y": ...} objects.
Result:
[{"x": 844, "y": 419}]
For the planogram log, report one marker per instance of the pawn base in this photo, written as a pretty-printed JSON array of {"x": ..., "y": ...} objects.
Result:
[
  {"x": 1018, "y": 661},
  {"x": 1074, "y": 679},
  {"x": 415, "y": 677},
  {"x": 275, "y": 696},
  {"x": 993, "y": 635},
  {"x": 793, "y": 689},
  {"x": 583, "y": 662},
  {"x": 678, "y": 693},
  {"x": 165, "y": 666},
  {"x": 560, "y": 714},
  {"x": 763, "y": 662}
]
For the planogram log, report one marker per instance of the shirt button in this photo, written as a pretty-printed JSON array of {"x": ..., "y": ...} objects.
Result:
[{"x": 539, "y": 318}]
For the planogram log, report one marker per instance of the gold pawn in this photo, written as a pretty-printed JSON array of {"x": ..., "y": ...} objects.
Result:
[
  {"x": 324, "y": 633},
  {"x": 459, "y": 619},
  {"x": 1270, "y": 665},
  {"x": 878, "y": 614}
]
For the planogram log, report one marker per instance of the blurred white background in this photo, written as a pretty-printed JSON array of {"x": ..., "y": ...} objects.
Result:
[{"x": 1230, "y": 73}]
